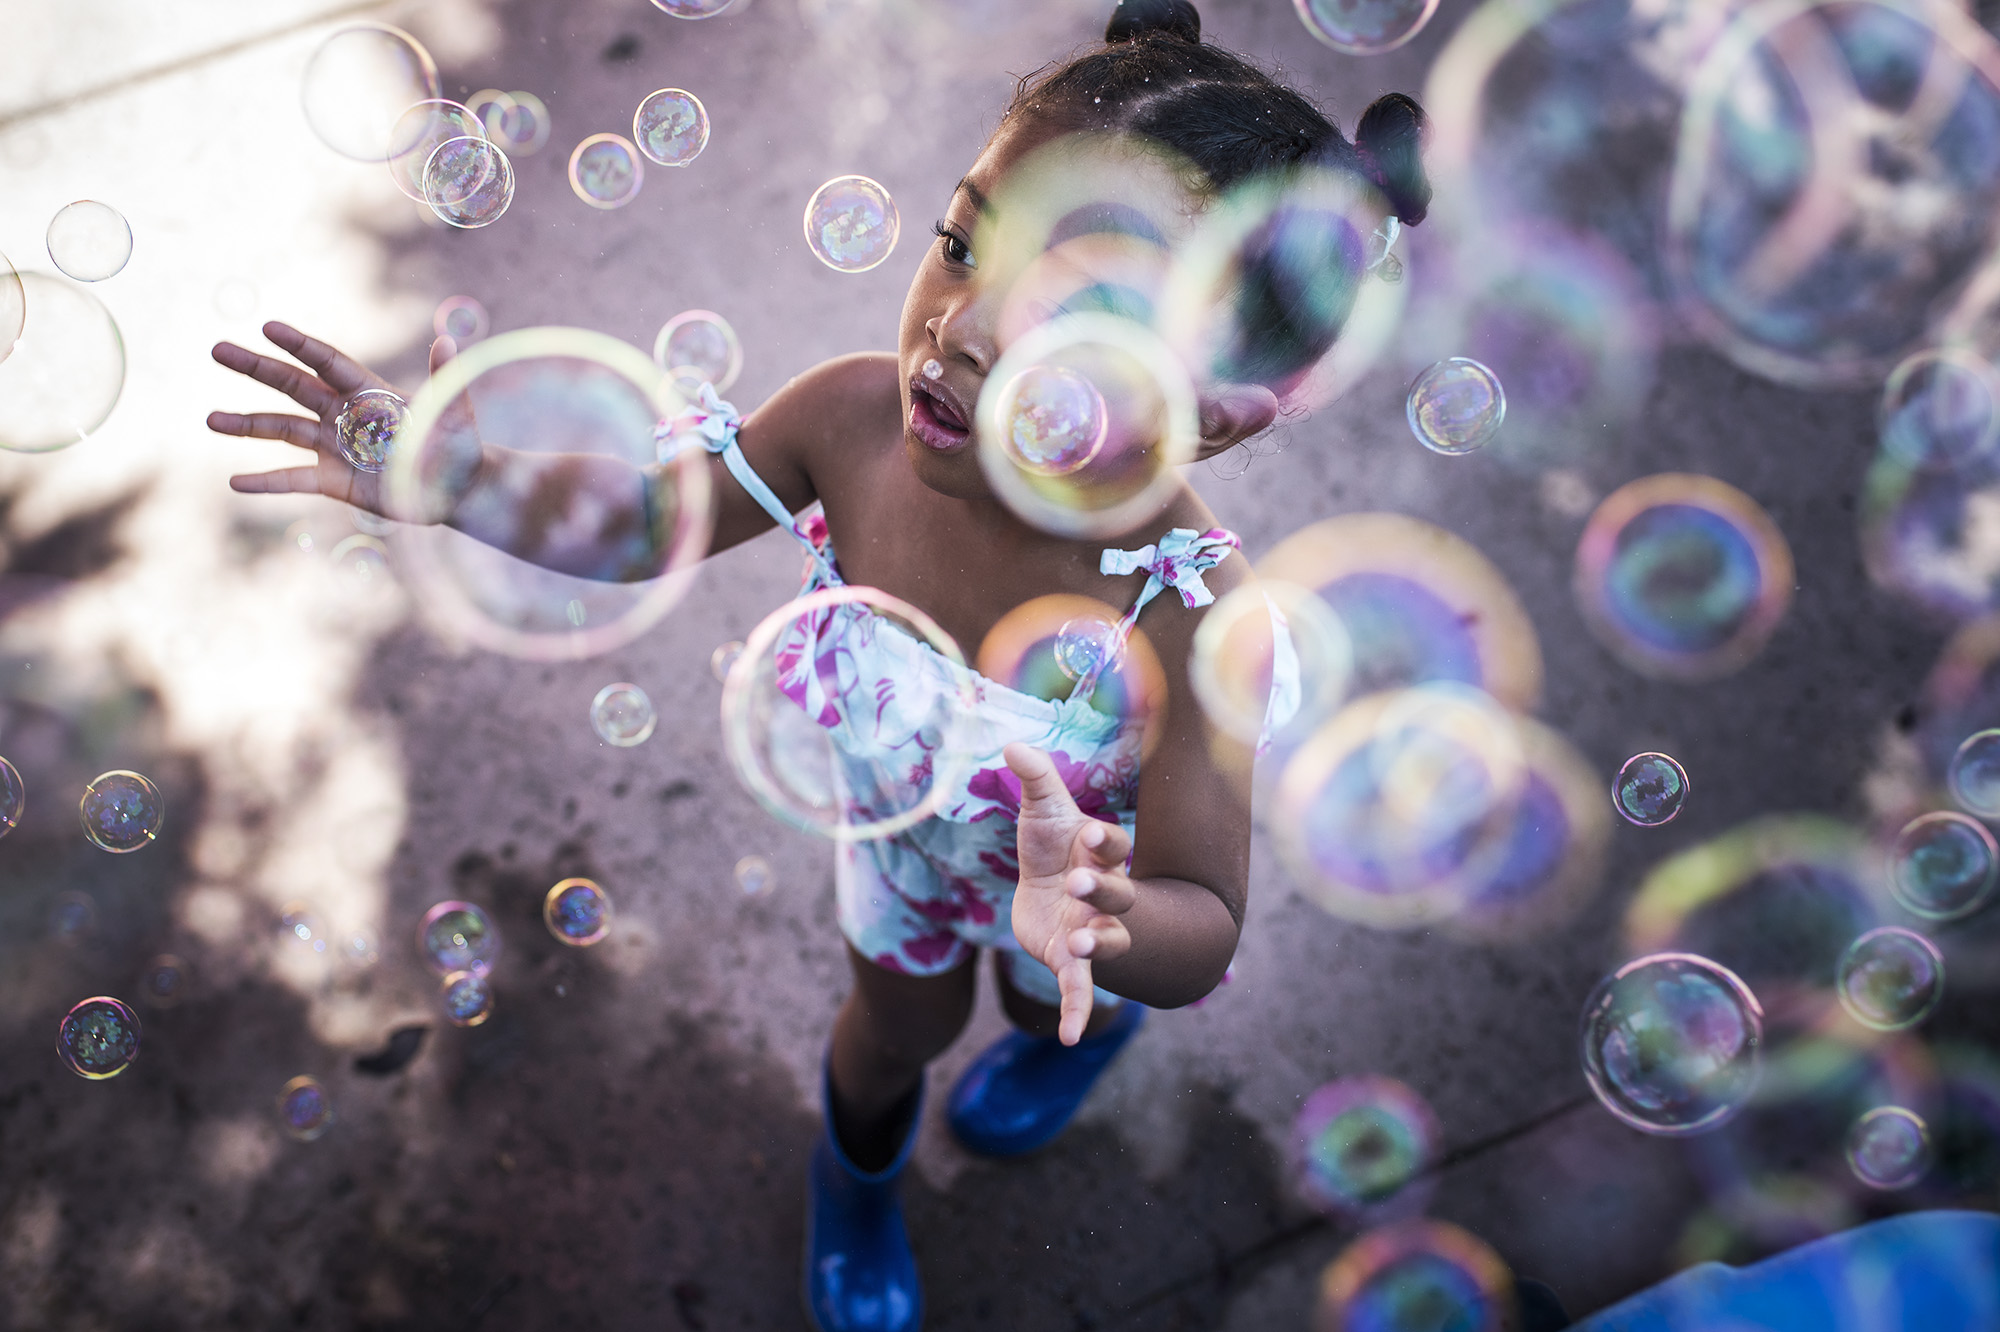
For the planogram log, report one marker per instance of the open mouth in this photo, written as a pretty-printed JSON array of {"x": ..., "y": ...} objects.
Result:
[{"x": 936, "y": 420}]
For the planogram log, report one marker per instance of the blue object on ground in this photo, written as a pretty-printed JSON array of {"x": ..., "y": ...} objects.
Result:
[
  {"x": 1022, "y": 1090},
  {"x": 860, "y": 1274},
  {"x": 1920, "y": 1272}
]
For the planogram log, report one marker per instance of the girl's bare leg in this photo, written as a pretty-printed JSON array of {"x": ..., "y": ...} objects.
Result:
[{"x": 889, "y": 1028}]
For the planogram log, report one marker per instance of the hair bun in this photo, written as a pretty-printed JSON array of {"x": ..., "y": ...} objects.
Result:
[
  {"x": 1171, "y": 18},
  {"x": 1390, "y": 142}
]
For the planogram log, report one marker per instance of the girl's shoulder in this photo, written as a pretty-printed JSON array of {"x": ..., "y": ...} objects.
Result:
[{"x": 841, "y": 403}]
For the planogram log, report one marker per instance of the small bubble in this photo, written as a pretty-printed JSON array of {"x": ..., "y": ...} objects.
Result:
[
  {"x": 367, "y": 428},
  {"x": 305, "y": 1108},
  {"x": 90, "y": 241},
  {"x": 933, "y": 369},
  {"x": 1650, "y": 789},
  {"x": 13, "y": 797},
  {"x": 1085, "y": 646},
  {"x": 671, "y": 127},
  {"x": 72, "y": 917},
  {"x": 622, "y": 715},
  {"x": 753, "y": 876},
  {"x": 165, "y": 981},
  {"x": 1456, "y": 406},
  {"x": 1974, "y": 776},
  {"x": 460, "y": 318},
  {"x": 99, "y": 1038},
  {"x": 1943, "y": 866},
  {"x": 122, "y": 812},
  {"x": 1056, "y": 421},
  {"x": 851, "y": 224},
  {"x": 458, "y": 936},
  {"x": 605, "y": 171},
  {"x": 577, "y": 912},
  {"x": 468, "y": 998},
  {"x": 724, "y": 658},
  {"x": 1889, "y": 1148},
  {"x": 1891, "y": 978}
]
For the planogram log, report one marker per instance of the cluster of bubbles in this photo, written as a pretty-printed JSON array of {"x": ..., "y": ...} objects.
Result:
[
  {"x": 577, "y": 912},
  {"x": 459, "y": 942},
  {"x": 622, "y": 715}
]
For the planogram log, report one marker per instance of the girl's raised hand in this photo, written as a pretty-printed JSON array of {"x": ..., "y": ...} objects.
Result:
[
  {"x": 1073, "y": 885},
  {"x": 335, "y": 377}
]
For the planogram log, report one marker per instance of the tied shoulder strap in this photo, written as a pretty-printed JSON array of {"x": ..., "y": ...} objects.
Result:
[{"x": 1176, "y": 560}]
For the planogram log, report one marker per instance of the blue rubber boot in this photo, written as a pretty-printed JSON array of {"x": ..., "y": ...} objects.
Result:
[
  {"x": 860, "y": 1274},
  {"x": 1022, "y": 1090}
]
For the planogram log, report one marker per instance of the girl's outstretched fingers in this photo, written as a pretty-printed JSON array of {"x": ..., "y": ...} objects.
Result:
[
  {"x": 308, "y": 391},
  {"x": 1079, "y": 996},
  {"x": 338, "y": 369},
  {"x": 286, "y": 481}
]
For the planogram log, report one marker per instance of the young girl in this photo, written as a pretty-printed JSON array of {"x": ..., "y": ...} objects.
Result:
[{"x": 1130, "y": 893}]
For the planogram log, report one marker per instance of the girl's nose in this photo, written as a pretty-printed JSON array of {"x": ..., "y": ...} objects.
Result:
[{"x": 963, "y": 333}]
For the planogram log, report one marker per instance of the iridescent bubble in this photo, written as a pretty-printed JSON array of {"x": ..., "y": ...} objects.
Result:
[
  {"x": 1456, "y": 406},
  {"x": 305, "y": 1109},
  {"x": 66, "y": 371},
  {"x": 1891, "y": 978},
  {"x": 577, "y": 912},
  {"x": 359, "y": 83},
  {"x": 573, "y": 594},
  {"x": 813, "y": 769},
  {"x": 1416, "y": 1276},
  {"x": 301, "y": 928},
  {"x": 99, "y": 1038},
  {"x": 605, "y": 171},
  {"x": 1360, "y": 1142},
  {"x": 1365, "y": 27},
  {"x": 1940, "y": 410},
  {"x": 723, "y": 659},
  {"x": 1974, "y": 775},
  {"x": 622, "y": 715},
  {"x": 1085, "y": 646},
  {"x": 517, "y": 121},
  {"x": 468, "y": 182},
  {"x": 851, "y": 223},
  {"x": 165, "y": 981},
  {"x": 1238, "y": 648},
  {"x": 13, "y": 307},
  {"x": 692, "y": 9},
  {"x": 1671, "y": 1043},
  {"x": 368, "y": 426},
  {"x": 90, "y": 241},
  {"x": 1943, "y": 866},
  {"x": 1682, "y": 577},
  {"x": 457, "y": 936},
  {"x": 13, "y": 797},
  {"x": 468, "y": 998},
  {"x": 1038, "y": 433},
  {"x": 671, "y": 127},
  {"x": 1047, "y": 647},
  {"x": 1650, "y": 789},
  {"x": 122, "y": 812},
  {"x": 460, "y": 318},
  {"x": 425, "y": 128},
  {"x": 1889, "y": 1148},
  {"x": 753, "y": 876},
  {"x": 702, "y": 342}
]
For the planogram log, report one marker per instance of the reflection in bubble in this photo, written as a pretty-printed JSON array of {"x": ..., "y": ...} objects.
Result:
[
  {"x": 468, "y": 998},
  {"x": 1670, "y": 1043},
  {"x": 90, "y": 241},
  {"x": 358, "y": 84},
  {"x": 1889, "y": 1148},
  {"x": 98, "y": 1038},
  {"x": 1456, "y": 406},
  {"x": 1891, "y": 978},
  {"x": 671, "y": 127},
  {"x": 1055, "y": 420},
  {"x": 701, "y": 342},
  {"x": 851, "y": 223},
  {"x": 305, "y": 1109},
  {"x": 1650, "y": 789},
  {"x": 66, "y": 369},
  {"x": 622, "y": 715},
  {"x": 367, "y": 427},
  {"x": 605, "y": 171},
  {"x": 1682, "y": 577},
  {"x": 457, "y": 936},
  {"x": 1416, "y": 1274},
  {"x": 1360, "y": 1142},
  {"x": 577, "y": 912},
  {"x": 469, "y": 183},
  {"x": 1943, "y": 866},
  {"x": 122, "y": 812}
]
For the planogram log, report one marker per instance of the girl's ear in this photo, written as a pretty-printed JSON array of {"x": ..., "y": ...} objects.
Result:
[{"x": 1232, "y": 413}]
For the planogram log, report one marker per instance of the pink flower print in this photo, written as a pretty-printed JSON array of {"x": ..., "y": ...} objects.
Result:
[
  {"x": 972, "y": 904},
  {"x": 1005, "y": 865},
  {"x": 929, "y": 949},
  {"x": 1003, "y": 788}
]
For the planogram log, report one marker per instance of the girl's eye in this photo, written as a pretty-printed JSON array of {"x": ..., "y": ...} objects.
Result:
[{"x": 956, "y": 248}]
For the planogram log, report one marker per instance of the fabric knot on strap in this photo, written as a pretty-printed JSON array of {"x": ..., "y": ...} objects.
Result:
[
  {"x": 708, "y": 419},
  {"x": 1176, "y": 560}
]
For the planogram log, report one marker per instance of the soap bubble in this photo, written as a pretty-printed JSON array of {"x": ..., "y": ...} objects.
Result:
[
  {"x": 753, "y": 876},
  {"x": 362, "y": 563},
  {"x": 803, "y": 741},
  {"x": 546, "y": 392},
  {"x": 1237, "y": 650},
  {"x": 1671, "y": 1043},
  {"x": 468, "y": 998},
  {"x": 1360, "y": 1142},
  {"x": 1974, "y": 775},
  {"x": 692, "y": 9},
  {"x": 300, "y": 927},
  {"x": 605, "y": 171},
  {"x": 577, "y": 912},
  {"x": 1402, "y": 805},
  {"x": 1087, "y": 481},
  {"x": 1940, "y": 409},
  {"x": 1650, "y": 789},
  {"x": 1365, "y": 27},
  {"x": 1416, "y": 1276},
  {"x": 1891, "y": 978},
  {"x": 367, "y": 428},
  {"x": 723, "y": 659},
  {"x": 469, "y": 183},
  {"x": 72, "y": 916},
  {"x": 851, "y": 223},
  {"x": 13, "y": 797},
  {"x": 305, "y": 1109},
  {"x": 1048, "y": 646},
  {"x": 1682, "y": 577},
  {"x": 1456, "y": 406},
  {"x": 671, "y": 127},
  {"x": 359, "y": 83},
  {"x": 701, "y": 342},
  {"x": 99, "y": 1038},
  {"x": 66, "y": 371},
  {"x": 426, "y": 127},
  {"x": 122, "y": 812},
  {"x": 90, "y": 241},
  {"x": 1943, "y": 866},
  {"x": 13, "y": 307},
  {"x": 1889, "y": 1148},
  {"x": 517, "y": 121},
  {"x": 460, "y": 318},
  {"x": 457, "y": 936},
  {"x": 622, "y": 715},
  {"x": 165, "y": 981},
  {"x": 1085, "y": 646}
]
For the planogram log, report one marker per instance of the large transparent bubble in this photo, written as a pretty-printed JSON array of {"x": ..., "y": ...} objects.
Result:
[
  {"x": 1671, "y": 1043},
  {"x": 564, "y": 405},
  {"x": 1838, "y": 167},
  {"x": 67, "y": 367},
  {"x": 815, "y": 743},
  {"x": 1682, "y": 577},
  {"x": 359, "y": 83},
  {"x": 1082, "y": 423}
]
